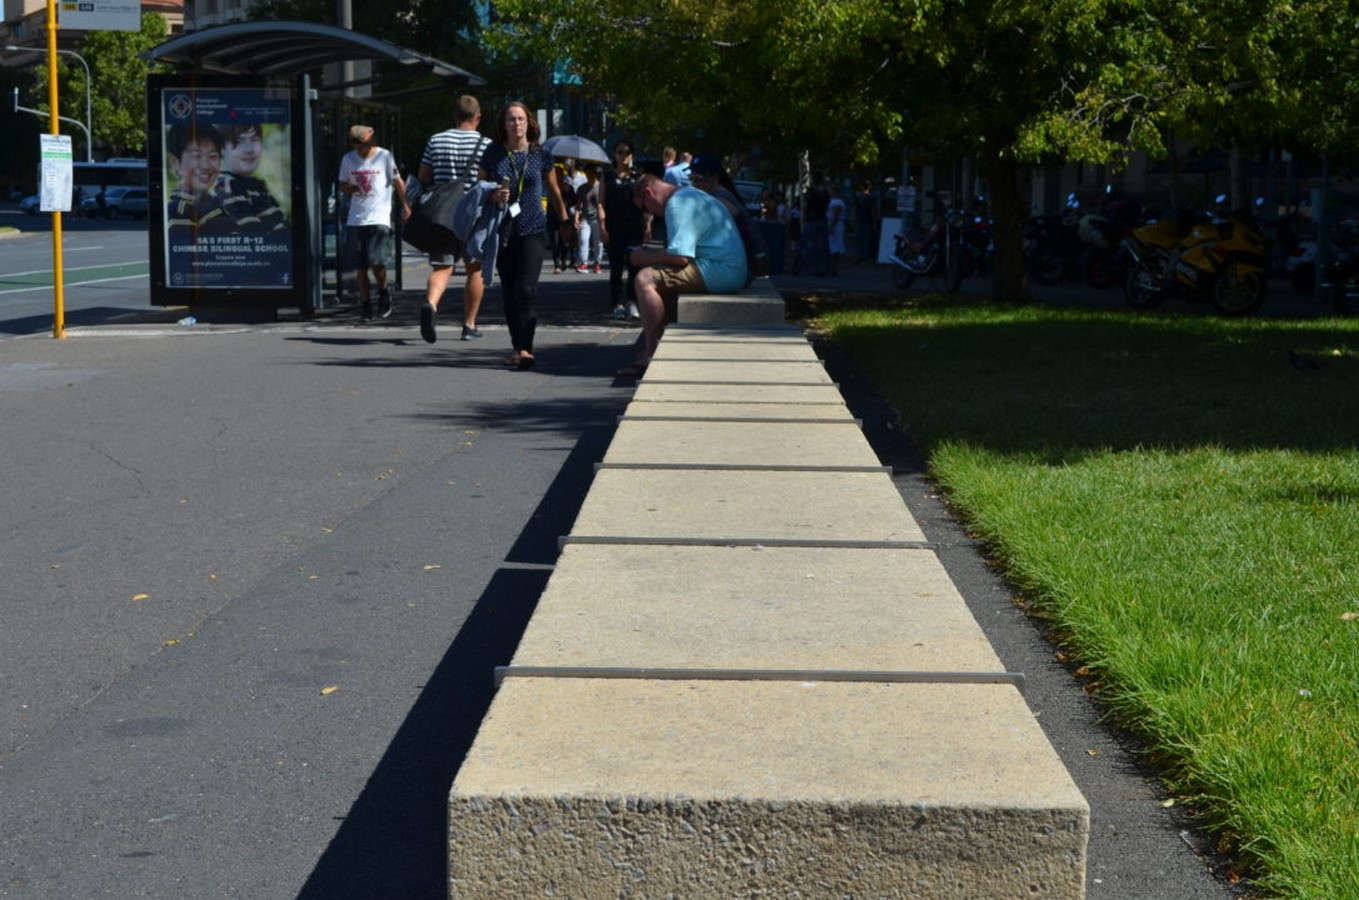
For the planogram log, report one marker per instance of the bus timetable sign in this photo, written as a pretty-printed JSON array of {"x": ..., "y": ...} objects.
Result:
[{"x": 100, "y": 15}]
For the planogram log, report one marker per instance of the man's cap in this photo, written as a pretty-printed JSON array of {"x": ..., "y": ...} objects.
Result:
[
  {"x": 706, "y": 164},
  {"x": 361, "y": 133}
]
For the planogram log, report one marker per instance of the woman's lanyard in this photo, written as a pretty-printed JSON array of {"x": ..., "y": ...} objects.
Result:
[{"x": 518, "y": 172}]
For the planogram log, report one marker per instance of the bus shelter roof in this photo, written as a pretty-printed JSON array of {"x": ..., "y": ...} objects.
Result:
[{"x": 289, "y": 48}]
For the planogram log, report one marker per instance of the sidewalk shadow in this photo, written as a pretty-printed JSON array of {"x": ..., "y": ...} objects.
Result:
[
  {"x": 78, "y": 318},
  {"x": 394, "y": 841}
]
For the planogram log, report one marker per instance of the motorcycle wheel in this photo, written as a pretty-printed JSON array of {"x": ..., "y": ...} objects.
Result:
[
  {"x": 1141, "y": 289},
  {"x": 1047, "y": 267},
  {"x": 902, "y": 278},
  {"x": 1237, "y": 293}
]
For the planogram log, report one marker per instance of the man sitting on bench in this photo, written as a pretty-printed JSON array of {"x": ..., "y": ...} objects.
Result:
[{"x": 703, "y": 254}]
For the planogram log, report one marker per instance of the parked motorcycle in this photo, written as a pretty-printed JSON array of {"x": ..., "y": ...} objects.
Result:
[
  {"x": 1301, "y": 264},
  {"x": 976, "y": 243},
  {"x": 1053, "y": 245},
  {"x": 1340, "y": 285},
  {"x": 1219, "y": 258},
  {"x": 1102, "y": 232},
  {"x": 919, "y": 254},
  {"x": 1076, "y": 245},
  {"x": 954, "y": 246}
]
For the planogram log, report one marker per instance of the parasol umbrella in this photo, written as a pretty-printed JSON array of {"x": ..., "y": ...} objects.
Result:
[{"x": 576, "y": 147}]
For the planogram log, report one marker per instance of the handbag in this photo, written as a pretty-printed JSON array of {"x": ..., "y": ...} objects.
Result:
[{"x": 430, "y": 227}]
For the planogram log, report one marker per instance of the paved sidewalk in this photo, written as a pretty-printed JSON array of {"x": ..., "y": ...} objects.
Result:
[{"x": 257, "y": 578}]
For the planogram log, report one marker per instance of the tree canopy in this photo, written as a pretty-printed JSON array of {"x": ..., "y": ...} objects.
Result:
[
  {"x": 1010, "y": 83},
  {"x": 118, "y": 88}
]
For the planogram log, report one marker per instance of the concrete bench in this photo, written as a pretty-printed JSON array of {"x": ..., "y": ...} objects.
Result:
[
  {"x": 760, "y": 302},
  {"x": 750, "y": 675}
]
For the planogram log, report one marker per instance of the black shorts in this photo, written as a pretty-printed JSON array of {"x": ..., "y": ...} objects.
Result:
[{"x": 369, "y": 246}]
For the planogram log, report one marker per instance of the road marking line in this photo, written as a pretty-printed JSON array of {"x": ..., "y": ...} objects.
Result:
[{"x": 48, "y": 287}]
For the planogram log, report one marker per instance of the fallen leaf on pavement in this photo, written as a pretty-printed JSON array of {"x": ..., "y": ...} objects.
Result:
[{"x": 327, "y": 691}]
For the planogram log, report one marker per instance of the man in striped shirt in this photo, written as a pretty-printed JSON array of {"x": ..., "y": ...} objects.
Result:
[{"x": 453, "y": 155}]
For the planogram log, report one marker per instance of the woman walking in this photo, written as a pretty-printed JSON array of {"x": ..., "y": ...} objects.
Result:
[
  {"x": 622, "y": 225},
  {"x": 525, "y": 174}
]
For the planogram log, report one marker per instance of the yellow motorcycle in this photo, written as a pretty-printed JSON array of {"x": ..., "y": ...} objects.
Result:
[{"x": 1219, "y": 259}]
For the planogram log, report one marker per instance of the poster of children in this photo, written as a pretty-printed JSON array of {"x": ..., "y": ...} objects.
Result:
[{"x": 228, "y": 179}]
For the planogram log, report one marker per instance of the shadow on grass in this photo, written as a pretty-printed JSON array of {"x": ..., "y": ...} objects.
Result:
[{"x": 1060, "y": 384}]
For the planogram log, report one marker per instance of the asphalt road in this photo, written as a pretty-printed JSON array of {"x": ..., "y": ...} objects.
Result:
[{"x": 256, "y": 580}]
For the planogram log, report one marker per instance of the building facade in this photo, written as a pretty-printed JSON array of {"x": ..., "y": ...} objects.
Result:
[{"x": 199, "y": 14}]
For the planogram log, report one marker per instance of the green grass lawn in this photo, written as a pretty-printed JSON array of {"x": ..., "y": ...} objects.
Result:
[{"x": 1179, "y": 494}]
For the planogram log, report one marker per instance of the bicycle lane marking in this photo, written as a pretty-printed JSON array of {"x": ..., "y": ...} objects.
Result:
[{"x": 20, "y": 282}]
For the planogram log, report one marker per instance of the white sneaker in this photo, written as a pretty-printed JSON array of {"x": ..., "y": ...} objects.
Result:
[
  {"x": 619, "y": 313},
  {"x": 632, "y": 311}
]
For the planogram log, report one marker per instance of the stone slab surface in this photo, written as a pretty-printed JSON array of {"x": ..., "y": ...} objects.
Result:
[
  {"x": 737, "y": 372},
  {"x": 754, "y": 608},
  {"x": 643, "y": 410},
  {"x": 613, "y": 788},
  {"x": 749, "y": 351},
  {"x": 792, "y": 394},
  {"x": 734, "y": 309},
  {"x": 708, "y": 505},
  {"x": 811, "y": 445}
]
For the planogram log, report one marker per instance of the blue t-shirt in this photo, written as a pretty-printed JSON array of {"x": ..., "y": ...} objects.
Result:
[
  {"x": 699, "y": 227},
  {"x": 526, "y": 170}
]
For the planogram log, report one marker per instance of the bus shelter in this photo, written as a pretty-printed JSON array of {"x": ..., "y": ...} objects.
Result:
[{"x": 242, "y": 157}]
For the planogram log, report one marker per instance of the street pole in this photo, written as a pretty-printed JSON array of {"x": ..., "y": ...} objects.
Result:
[
  {"x": 89, "y": 81},
  {"x": 89, "y": 118},
  {"x": 344, "y": 16},
  {"x": 54, "y": 127}
]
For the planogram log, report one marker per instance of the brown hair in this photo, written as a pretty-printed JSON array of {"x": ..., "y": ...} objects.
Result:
[
  {"x": 466, "y": 109},
  {"x": 499, "y": 131}
]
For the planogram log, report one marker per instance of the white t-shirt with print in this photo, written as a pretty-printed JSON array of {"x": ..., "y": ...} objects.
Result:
[{"x": 371, "y": 204}]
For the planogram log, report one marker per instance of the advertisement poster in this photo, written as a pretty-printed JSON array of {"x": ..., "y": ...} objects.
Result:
[{"x": 227, "y": 176}]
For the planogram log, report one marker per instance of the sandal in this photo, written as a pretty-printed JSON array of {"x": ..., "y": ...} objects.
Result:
[
  {"x": 631, "y": 370},
  {"x": 527, "y": 361}
]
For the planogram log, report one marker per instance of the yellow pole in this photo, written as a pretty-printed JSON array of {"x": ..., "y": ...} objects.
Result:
[{"x": 58, "y": 301}]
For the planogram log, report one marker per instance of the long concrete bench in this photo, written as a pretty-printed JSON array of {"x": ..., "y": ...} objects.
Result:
[
  {"x": 749, "y": 675},
  {"x": 759, "y": 303}
]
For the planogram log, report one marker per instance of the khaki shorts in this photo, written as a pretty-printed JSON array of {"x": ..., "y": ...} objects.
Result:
[{"x": 671, "y": 281}]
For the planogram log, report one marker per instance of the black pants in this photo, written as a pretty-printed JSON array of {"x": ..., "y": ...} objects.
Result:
[
  {"x": 618, "y": 261},
  {"x": 519, "y": 264}
]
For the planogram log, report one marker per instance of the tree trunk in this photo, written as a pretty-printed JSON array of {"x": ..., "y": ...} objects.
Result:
[{"x": 1010, "y": 275}]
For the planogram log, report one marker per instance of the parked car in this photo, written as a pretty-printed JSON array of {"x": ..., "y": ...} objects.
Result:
[
  {"x": 118, "y": 201},
  {"x": 30, "y": 204}
]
